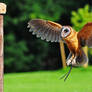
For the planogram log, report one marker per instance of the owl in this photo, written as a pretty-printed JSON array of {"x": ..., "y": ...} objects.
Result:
[{"x": 54, "y": 32}]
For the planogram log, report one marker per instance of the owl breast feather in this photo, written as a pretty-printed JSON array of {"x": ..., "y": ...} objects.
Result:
[{"x": 72, "y": 42}]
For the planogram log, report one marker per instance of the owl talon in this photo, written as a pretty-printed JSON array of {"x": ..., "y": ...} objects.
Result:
[{"x": 71, "y": 62}]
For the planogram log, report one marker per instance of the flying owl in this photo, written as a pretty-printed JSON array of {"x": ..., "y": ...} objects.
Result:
[{"x": 54, "y": 32}]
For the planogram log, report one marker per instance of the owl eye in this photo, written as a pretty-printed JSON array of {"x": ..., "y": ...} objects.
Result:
[{"x": 66, "y": 30}]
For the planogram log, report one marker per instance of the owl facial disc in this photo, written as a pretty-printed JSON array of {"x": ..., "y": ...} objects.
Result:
[{"x": 65, "y": 32}]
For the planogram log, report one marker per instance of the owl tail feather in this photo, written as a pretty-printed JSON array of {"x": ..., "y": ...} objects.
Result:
[{"x": 81, "y": 59}]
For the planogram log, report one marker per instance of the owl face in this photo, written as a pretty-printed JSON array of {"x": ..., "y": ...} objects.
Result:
[{"x": 65, "y": 32}]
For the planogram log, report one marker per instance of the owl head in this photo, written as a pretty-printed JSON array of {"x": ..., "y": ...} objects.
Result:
[{"x": 65, "y": 31}]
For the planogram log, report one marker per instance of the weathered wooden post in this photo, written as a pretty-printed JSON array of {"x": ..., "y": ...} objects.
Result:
[
  {"x": 63, "y": 54},
  {"x": 2, "y": 11}
]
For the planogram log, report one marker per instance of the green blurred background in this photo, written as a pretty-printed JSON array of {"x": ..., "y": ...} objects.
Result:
[{"x": 25, "y": 53}]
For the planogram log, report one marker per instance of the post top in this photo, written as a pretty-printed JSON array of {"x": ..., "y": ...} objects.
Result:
[{"x": 2, "y": 8}]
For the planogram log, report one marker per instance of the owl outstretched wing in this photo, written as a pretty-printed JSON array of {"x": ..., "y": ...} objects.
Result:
[
  {"x": 85, "y": 35},
  {"x": 45, "y": 29}
]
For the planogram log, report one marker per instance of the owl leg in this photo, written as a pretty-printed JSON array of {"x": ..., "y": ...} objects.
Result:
[
  {"x": 70, "y": 59},
  {"x": 74, "y": 63},
  {"x": 69, "y": 56}
]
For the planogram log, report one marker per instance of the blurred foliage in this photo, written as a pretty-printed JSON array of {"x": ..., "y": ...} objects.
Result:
[
  {"x": 79, "y": 19},
  {"x": 15, "y": 53},
  {"x": 24, "y": 52}
]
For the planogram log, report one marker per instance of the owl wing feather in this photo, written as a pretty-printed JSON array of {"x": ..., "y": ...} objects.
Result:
[
  {"x": 48, "y": 30},
  {"x": 85, "y": 35}
]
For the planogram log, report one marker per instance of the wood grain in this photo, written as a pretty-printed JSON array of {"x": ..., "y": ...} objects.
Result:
[{"x": 1, "y": 53}]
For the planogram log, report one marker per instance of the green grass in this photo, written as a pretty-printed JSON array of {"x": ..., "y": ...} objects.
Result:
[{"x": 80, "y": 80}]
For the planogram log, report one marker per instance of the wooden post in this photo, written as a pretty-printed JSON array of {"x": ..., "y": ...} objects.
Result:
[
  {"x": 2, "y": 11},
  {"x": 85, "y": 49},
  {"x": 62, "y": 50}
]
